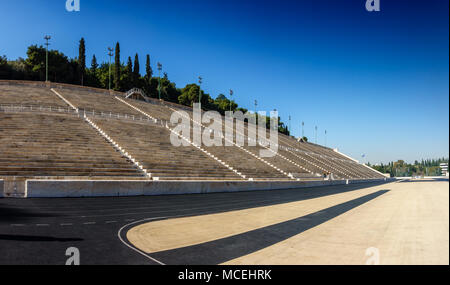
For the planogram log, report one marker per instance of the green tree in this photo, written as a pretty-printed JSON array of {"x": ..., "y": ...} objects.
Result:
[
  {"x": 82, "y": 59},
  {"x": 129, "y": 69},
  {"x": 5, "y": 68},
  {"x": 117, "y": 66},
  {"x": 136, "y": 73},
  {"x": 128, "y": 77},
  {"x": 169, "y": 92},
  {"x": 14, "y": 70},
  {"x": 148, "y": 69},
  {"x": 223, "y": 104},
  {"x": 94, "y": 64},
  {"x": 60, "y": 68},
  {"x": 189, "y": 95},
  {"x": 93, "y": 79}
]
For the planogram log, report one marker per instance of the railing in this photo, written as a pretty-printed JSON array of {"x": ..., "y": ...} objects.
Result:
[
  {"x": 35, "y": 108},
  {"x": 12, "y": 108}
]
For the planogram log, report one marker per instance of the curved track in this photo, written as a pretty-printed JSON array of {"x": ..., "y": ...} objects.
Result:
[{"x": 38, "y": 231}]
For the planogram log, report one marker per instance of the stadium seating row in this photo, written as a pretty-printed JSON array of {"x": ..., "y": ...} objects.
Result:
[{"x": 62, "y": 145}]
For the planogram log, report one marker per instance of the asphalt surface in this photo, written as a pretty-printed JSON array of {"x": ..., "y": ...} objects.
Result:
[{"x": 39, "y": 231}]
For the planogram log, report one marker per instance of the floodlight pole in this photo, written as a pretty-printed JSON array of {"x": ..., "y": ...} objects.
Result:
[
  {"x": 256, "y": 111},
  {"x": 316, "y": 134},
  {"x": 110, "y": 53},
  {"x": 46, "y": 38},
  {"x": 289, "y": 125},
  {"x": 200, "y": 80},
  {"x": 325, "y": 138},
  {"x": 231, "y": 95},
  {"x": 303, "y": 130},
  {"x": 159, "y": 79}
]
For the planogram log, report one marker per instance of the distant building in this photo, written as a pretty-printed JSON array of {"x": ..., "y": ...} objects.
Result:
[{"x": 444, "y": 169}]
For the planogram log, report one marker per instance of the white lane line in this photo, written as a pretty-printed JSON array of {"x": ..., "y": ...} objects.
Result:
[
  {"x": 110, "y": 222},
  {"x": 244, "y": 203},
  {"x": 17, "y": 225},
  {"x": 89, "y": 223},
  {"x": 129, "y": 220},
  {"x": 132, "y": 247}
]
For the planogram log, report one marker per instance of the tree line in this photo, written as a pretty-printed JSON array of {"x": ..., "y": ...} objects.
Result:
[
  {"x": 124, "y": 76},
  {"x": 428, "y": 167}
]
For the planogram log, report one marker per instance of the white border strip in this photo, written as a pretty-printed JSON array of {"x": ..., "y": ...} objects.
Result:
[{"x": 119, "y": 234}]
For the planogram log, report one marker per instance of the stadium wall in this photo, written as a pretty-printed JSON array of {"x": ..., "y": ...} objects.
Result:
[{"x": 102, "y": 188}]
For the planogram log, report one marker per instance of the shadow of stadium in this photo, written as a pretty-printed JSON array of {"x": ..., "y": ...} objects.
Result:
[
  {"x": 222, "y": 250},
  {"x": 15, "y": 211},
  {"x": 37, "y": 238},
  {"x": 16, "y": 214}
]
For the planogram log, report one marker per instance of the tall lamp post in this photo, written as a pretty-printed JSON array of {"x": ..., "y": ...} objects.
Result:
[
  {"x": 289, "y": 125},
  {"x": 200, "y": 81},
  {"x": 316, "y": 134},
  {"x": 110, "y": 53},
  {"x": 303, "y": 130},
  {"x": 46, "y": 38},
  {"x": 325, "y": 138},
  {"x": 159, "y": 79},
  {"x": 231, "y": 102}
]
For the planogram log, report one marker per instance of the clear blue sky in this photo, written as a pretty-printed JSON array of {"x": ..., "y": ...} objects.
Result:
[{"x": 377, "y": 82}]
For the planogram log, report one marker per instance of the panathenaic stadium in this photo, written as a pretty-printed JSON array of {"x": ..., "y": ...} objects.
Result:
[
  {"x": 59, "y": 140},
  {"x": 76, "y": 152}
]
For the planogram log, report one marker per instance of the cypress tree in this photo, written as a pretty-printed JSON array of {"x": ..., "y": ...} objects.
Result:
[
  {"x": 94, "y": 64},
  {"x": 136, "y": 69},
  {"x": 148, "y": 69},
  {"x": 82, "y": 59},
  {"x": 129, "y": 67},
  {"x": 117, "y": 68},
  {"x": 129, "y": 74}
]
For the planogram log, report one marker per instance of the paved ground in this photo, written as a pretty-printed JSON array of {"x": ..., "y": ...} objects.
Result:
[
  {"x": 397, "y": 223},
  {"x": 38, "y": 231}
]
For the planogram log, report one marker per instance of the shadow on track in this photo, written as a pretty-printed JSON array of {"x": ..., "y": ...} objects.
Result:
[
  {"x": 9, "y": 214},
  {"x": 222, "y": 250},
  {"x": 37, "y": 238}
]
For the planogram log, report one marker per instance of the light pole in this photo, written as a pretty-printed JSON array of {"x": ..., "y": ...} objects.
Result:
[
  {"x": 231, "y": 102},
  {"x": 110, "y": 53},
  {"x": 159, "y": 79},
  {"x": 289, "y": 125},
  {"x": 303, "y": 130},
  {"x": 316, "y": 134},
  {"x": 256, "y": 111},
  {"x": 200, "y": 80},
  {"x": 46, "y": 38},
  {"x": 325, "y": 138}
]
